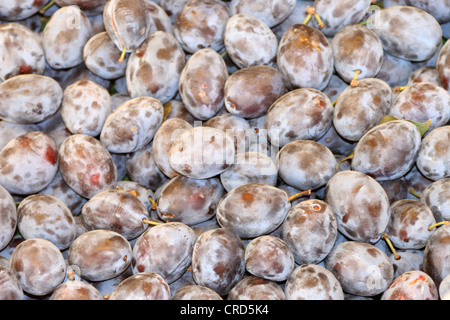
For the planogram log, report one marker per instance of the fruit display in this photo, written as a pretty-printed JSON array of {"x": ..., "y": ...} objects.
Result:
[{"x": 224, "y": 150}]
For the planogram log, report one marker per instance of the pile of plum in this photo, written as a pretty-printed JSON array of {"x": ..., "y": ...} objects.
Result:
[{"x": 224, "y": 150}]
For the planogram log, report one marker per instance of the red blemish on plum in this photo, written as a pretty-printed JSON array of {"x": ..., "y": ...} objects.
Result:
[
  {"x": 420, "y": 278},
  {"x": 95, "y": 179},
  {"x": 24, "y": 69},
  {"x": 50, "y": 155},
  {"x": 247, "y": 197},
  {"x": 37, "y": 3}
]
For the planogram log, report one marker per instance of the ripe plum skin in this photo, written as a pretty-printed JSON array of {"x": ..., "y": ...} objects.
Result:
[
  {"x": 165, "y": 249},
  {"x": 86, "y": 165},
  {"x": 300, "y": 114},
  {"x": 195, "y": 292},
  {"x": 29, "y": 98},
  {"x": 422, "y": 101},
  {"x": 434, "y": 154},
  {"x": 305, "y": 164},
  {"x": 249, "y": 92},
  {"x": 442, "y": 66},
  {"x": 38, "y": 265},
  {"x": 412, "y": 285},
  {"x": 253, "y": 209},
  {"x": 336, "y": 15},
  {"x": 76, "y": 290},
  {"x": 305, "y": 58},
  {"x": 313, "y": 282},
  {"x": 154, "y": 68},
  {"x": 10, "y": 287},
  {"x": 436, "y": 196},
  {"x": 201, "y": 24},
  {"x": 269, "y": 257},
  {"x": 46, "y": 217},
  {"x": 218, "y": 260},
  {"x": 361, "y": 268},
  {"x": 255, "y": 288},
  {"x": 132, "y": 125},
  {"x": 361, "y": 108},
  {"x": 100, "y": 254},
  {"x": 22, "y": 51},
  {"x": 388, "y": 150},
  {"x": 142, "y": 286},
  {"x": 189, "y": 201},
  {"x": 28, "y": 163},
  {"x": 8, "y": 218},
  {"x": 116, "y": 210},
  {"x": 65, "y": 36},
  {"x": 250, "y": 42},
  {"x": 271, "y": 12},
  {"x": 202, "y": 152},
  {"x": 85, "y": 107},
  {"x": 436, "y": 259},
  {"x": 310, "y": 230},
  {"x": 357, "y": 47},
  {"x": 201, "y": 84},
  {"x": 408, "y": 224},
  {"x": 407, "y": 32},
  {"x": 360, "y": 205}
]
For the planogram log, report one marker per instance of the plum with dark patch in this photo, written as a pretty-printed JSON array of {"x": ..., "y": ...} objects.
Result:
[
  {"x": 201, "y": 24},
  {"x": 361, "y": 268},
  {"x": 270, "y": 258},
  {"x": 300, "y": 114},
  {"x": 201, "y": 83},
  {"x": 65, "y": 36},
  {"x": 85, "y": 107},
  {"x": 154, "y": 68},
  {"x": 132, "y": 125},
  {"x": 362, "y": 107},
  {"x": 46, "y": 217},
  {"x": 250, "y": 42},
  {"x": 310, "y": 231},
  {"x": 189, "y": 201},
  {"x": 38, "y": 265},
  {"x": 411, "y": 285},
  {"x": 28, "y": 163},
  {"x": 408, "y": 224},
  {"x": 116, "y": 210},
  {"x": 313, "y": 282},
  {"x": 305, "y": 164},
  {"x": 253, "y": 209},
  {"x": 218, "y": 260},
  {"x": 249, "y": 92},
  {"x": 388, "y": 150},
  {"x": 100, "y": 254},
  {"x": 305, "y": 58},
  {"x": 22, "y": 52},
  {"x": 165, "y": 249},
  {"x": 436, "y": 258},
  {"x": 29, "y": 98},
  {"x": 256, "y": 288},
  {"x": 142, "y": 286},
  {"x": 434, "y": 154},
  {"x": 8, "y": 218},
  {"x": 360, "y": 205},
  {"x": 86, "y": 165}
]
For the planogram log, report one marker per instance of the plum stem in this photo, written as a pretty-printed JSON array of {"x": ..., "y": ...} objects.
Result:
[
  {"x": 46, "y": 7},
  {"x": 431, "y": 227},
  {"x": 398, "y": 89},
  {"x": 311, "y": 11},
  {"x": 350, "y": 156},
  {"x": 391, "y": 246},
  {"x": 152, "y": 202},
  {"x": 152, "y": 222},
  {"x": 122, "y": 56},
  {"x": 354, "y": 81},
  {"x": 336, "y": 100},
  {"x": 413, "y": 192},
  {"x": 295, "y": 196}
]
